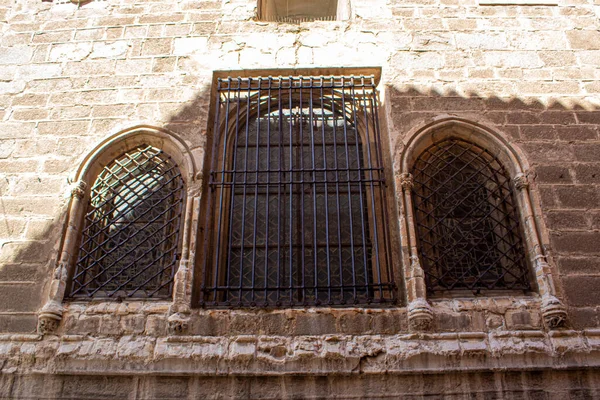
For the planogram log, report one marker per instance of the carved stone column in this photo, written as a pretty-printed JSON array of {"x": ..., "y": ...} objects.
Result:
[
  {"x": 420, "y": 314},
  {"x": 51, "y": 313},
  {"x": 553, "y": 311},
  {"x": 179, "y": 312}
]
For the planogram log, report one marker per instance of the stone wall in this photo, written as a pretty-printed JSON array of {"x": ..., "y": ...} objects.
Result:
[{"x": 72, "y": 75}]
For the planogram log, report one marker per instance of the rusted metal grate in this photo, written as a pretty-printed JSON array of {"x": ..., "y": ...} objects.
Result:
[
  {"x": 129, "y": 243},
  {"x": 467, "y": 222},
  {"x": 297, "y": 205}
]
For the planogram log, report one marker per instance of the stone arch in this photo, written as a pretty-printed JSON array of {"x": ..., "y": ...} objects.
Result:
[
  {"x": 514, "y": 160},
  {"x": 92, "y": 163},
  {"x": 118, "y": 143}
]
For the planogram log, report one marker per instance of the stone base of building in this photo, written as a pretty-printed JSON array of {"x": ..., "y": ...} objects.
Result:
[{"x": 544, "y": 384}]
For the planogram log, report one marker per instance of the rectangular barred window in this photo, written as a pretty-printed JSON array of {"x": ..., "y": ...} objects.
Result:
[
  {"x": 297, "y": 206},
  {"x": 295, "y": 11}
]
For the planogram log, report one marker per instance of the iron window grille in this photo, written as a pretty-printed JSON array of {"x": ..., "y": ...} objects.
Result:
[
  {"x": 131, "y": 234},
  {"x": 467, "y": 221},
  {"x": 297, "y": 203}
]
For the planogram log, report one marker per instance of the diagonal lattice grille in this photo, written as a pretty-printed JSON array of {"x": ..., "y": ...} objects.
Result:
[
  {"x": 297, "y": 207},
  {"x": 467, "y": 223},
  {"x": 129, "y": 243}
]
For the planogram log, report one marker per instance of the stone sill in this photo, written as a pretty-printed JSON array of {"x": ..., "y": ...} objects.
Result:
[{"x": 478, "y": 314}]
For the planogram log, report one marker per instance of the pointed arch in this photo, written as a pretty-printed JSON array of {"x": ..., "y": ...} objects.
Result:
[
  {"x": 160, "y": 151},
  {"x": 512, "y": 159},
  {"x": 120, "y": 142}
]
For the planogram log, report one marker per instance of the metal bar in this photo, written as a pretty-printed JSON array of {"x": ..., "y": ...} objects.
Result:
[
  {"x": 337, "y": 191},
  {"x": 372, "y": 189},
  {"x": 302, "y": 229},
  {"x": 326, "y": 197},
  {"x": 266, "y": 279},
  {"x": 350, "y": 213},
  {"x": 254, "y": 225},
  {"x": 233, "y": 184},
  {"x": 291, "y": 191},
  {"x": 222, "y": 189},
  {"x": 362, "y": 208},
  {"x": 314, "y": 194}
]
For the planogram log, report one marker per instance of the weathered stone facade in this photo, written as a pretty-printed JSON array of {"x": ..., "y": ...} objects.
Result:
[{"x": 73, "y": 77}]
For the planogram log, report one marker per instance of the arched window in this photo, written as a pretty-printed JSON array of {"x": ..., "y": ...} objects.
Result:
[
  {"x": 467, "y": 222},
  {"x": 130, "y": 239},
  {"x": 296, "y": 213}
]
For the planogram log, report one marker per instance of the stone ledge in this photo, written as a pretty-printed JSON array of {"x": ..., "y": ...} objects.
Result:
[{"x": 306, "y": 355}]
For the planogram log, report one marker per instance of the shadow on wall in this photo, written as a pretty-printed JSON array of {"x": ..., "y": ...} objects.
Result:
[{"x": 561, "y": 143}]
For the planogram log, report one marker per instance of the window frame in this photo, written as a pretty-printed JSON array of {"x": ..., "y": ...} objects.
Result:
[
  {"x": 88, "y": 169},
  {"x": 199, "y": 277},
  {"x": 420, "y": 312},
  {"x": 178, "y": 226}
]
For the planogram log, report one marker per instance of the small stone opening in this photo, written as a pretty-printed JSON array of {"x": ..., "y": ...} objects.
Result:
[{"x": 303, "y": 10}]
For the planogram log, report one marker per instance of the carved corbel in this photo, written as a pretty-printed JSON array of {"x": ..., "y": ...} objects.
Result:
[
  {"x": 178, "y": 321},
  {"x": 420, "y": 315},
  {"x": 51, "y": 314},
  {"x": 553, "y": 312}
]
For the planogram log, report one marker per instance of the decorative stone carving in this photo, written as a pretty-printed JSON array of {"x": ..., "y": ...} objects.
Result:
[
  {"x": 553, "y": 312},
  {"x": 406, "y": 181},
  {"x": 49, "y": 317},
  {"x": 420, "y": 315},
  {"x": 47, "y": 324},
  {"x": 78, "y": 189},
  {"x": 521, "y": 181},
  {"x": 178, "y": 324}
]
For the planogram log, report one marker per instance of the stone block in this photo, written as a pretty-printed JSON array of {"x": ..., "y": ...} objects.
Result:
[
  {"x": 584, "y": 243},
  {"x": 99, "y": 386},
  {"x": 584, "y": 317},
  {"x": 553, "y": 174},
  {"x": 276, "y": 323},
  {"x": 132, "y": 324},
  {"x": 581, "y": 290},
  {"x": 18, "y": 323},
  {"x": 25, "y": 251},
  {"x": 584, "y": 39},
  {"x": 354, "y": 323},
  {"x": 588, "y": 173},
  {"x": 85, "y": 325},
  {"x": 447, "y": 322},
  {"x": 567, "y": 220},
  {"x": 389, "y": 323},
  {"x": 156, "y": 47},
  {"x": 314, "y": 324},
  {"x": 577, "y": 196},
  {"x": 156, "y": 325},
  {"x": 20, "y": 297},
  {"x": 587, "y": 152},
  {"x": 209, "y": 325},
  {"x": 16, "y": 55}
]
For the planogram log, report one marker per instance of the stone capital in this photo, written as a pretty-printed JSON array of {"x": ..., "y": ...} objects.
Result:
[
  {"x": 78, "y": 189},
  {"x": 521, "y": 181},
  {"x": 405, "y": 180}
]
